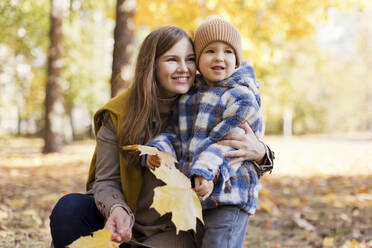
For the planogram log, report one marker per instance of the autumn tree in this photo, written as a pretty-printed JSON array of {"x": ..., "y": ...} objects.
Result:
[
  {"x": 123, "y": 46},
  {"x": 54, "y": 103}
]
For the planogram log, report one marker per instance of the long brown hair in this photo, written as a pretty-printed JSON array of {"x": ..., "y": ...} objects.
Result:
[{"x": 142, "y": 106}]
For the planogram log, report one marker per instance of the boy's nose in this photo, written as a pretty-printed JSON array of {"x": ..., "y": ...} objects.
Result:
[{"x": 219, "y": 57}]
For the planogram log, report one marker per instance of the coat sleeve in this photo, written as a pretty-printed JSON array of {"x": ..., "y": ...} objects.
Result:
[
  {"x": 168, "y": 141},
  {"x": 107, "y": 186},
  {"x": 241, "y": 106}
]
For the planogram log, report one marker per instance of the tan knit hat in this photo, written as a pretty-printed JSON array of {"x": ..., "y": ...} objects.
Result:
[{"x": 213, "y": 29}]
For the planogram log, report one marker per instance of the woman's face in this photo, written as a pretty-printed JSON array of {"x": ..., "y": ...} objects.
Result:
[{"x": 175, "y": 69}]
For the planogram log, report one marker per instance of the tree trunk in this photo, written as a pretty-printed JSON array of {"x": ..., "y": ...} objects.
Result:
[
  {"x": 123, "y": 47},
  {"x": 370, "y": 107},
  {"x": 54, "y": 102},
  {"x": 70, "y": 108}
]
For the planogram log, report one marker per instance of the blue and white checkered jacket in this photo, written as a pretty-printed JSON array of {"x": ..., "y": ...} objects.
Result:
[{"x": 204, "y": 116}]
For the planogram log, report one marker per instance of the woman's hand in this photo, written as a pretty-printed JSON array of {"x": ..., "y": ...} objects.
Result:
[
  {"x": 203, "y": 188},
  {"x": 247, "y": 146},
  {"x": 153, "y": 161},
  {"x": 119, "y": 224}
]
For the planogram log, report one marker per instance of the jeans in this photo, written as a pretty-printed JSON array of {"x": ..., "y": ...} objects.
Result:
[
  {"x": 76, "y": 215},
  {"x": 225, "y": 227},
  {"x": 73, "y": 216}
]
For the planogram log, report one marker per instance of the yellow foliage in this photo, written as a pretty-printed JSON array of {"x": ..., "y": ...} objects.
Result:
[
  {"x": 261, "y": 23},
  {"x": 100, "y": 239}
]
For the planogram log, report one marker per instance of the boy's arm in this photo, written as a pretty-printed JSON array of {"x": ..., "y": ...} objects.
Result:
[
  {"x": 165, "y": 142},
  {"x": 241, "y": 106},
  {"x": 168, "y": 141}
]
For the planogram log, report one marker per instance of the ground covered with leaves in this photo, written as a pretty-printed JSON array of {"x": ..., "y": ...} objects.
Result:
[{"x": 319, "y": 194}]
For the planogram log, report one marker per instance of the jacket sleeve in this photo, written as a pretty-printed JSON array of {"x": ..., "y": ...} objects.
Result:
[
  {"x": 165, "y": 143},
  {"x": 267, "y": 163},
  {"x": 168, "y": 141},
  {"x": 241, "y": 106},
  {"x": 107, "y": 186}
]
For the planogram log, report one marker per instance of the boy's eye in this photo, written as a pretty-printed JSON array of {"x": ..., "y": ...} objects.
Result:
[
  {"x": 191, "y": 59},
  {"x": 229, "y": 51},
  {"x": 209, "y": 51}
]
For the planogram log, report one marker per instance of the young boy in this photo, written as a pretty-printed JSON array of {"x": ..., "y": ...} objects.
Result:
[{"x": 222, "y": 98}]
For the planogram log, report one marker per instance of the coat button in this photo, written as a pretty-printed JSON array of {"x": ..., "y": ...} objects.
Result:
[{"x": 115, "y": 196}]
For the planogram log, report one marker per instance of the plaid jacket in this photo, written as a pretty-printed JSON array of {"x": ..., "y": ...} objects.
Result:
[{"x": 203, "y": 117}]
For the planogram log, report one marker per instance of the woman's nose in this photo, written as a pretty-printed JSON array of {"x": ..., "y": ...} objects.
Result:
[{"x": 182, "y": 66}]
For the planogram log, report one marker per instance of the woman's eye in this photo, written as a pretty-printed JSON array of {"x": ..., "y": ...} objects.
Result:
[
  {"x": 191, "y": 59},
  {"x": 171, "y": 59}
]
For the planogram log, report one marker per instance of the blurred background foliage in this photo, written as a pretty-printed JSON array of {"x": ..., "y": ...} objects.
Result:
[{"x": 313, "y": 59}]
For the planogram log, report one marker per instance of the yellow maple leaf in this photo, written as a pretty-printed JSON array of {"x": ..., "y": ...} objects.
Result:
[
  {"x": 100, "y": 239},
  {"x": 165, "y": 158},
  {"x": 149, "y": 150},
  {"x": 176, "y": 196}
]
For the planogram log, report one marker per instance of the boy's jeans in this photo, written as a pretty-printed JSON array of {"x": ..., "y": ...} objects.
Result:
[{"x": 225, "y": 227}]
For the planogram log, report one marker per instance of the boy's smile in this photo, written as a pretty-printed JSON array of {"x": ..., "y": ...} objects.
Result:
[
  {"x": 217, "y": 62},
  {"x": 218, "y": 69}
]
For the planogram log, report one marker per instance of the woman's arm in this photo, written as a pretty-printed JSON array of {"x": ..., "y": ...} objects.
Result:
[
  {"x": 249, "y": 147},
  {"x": 107, "y": 186}
]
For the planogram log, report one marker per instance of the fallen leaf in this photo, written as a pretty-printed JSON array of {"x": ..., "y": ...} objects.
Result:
[
  {"x": 265, "y": 193},
  {"x": 328, "y": 242},
  {"x": 18, "y": 203},
  {"x": 3, "y": 228},
  {"x": 330, "y": 198},
  {"x": 32, "y": 213},
  {"x": 266, "y": 206},
  {"x": 353, "y": 244},
  {"x": 296, "y": 202},
  {"x": 269, "y": 207},
  {"x": 269, "y": 224},
  {"x": 176, "y": 196},
  {"x": 99, "y": 239},
  {"x": 302, "y": 222},
  {"x": 3, "y": 215},
  {"x": 362, "y": 190}
]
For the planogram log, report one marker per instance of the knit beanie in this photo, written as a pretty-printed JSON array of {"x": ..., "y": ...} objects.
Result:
[{"x": 213, "y": 29}]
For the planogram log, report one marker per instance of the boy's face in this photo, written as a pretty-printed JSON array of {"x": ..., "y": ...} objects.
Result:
[{"x": 217, "y": 62}]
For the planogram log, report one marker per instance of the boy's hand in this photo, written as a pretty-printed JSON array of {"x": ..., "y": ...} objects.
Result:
[
  {"x": 153, "y": 161},
  {"x": 203, "y": 188}
]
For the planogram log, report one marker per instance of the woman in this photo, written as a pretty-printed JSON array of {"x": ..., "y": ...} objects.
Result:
[{"x": 119, "y": 189}]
